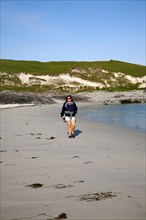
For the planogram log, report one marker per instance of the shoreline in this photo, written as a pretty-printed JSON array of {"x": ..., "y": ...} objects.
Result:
[
  {"x": 24, "y": 98},
  {"x": 101, "y": 159},
  {"x": 88, "y": 105}
]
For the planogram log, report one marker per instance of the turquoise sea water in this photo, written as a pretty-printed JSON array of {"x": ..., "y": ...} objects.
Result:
[{"x": 122, "y": 115}]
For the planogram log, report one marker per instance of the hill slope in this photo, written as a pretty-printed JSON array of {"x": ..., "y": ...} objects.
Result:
[{"x": 71, "y": 76}]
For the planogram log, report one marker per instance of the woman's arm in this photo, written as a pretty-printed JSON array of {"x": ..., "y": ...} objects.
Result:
[
  {"x": 76, "y": 108},
  {"x": 63, "y": 110}
]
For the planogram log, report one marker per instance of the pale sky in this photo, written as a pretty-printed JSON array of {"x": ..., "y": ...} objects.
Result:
[{"x": 45, "y": 30}]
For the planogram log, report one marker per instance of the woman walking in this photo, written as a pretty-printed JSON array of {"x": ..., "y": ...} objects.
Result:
[{"x": 69, "y": 111}]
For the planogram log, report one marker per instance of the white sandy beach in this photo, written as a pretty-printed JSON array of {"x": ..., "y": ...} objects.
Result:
[{"x": 101, "y": 159}]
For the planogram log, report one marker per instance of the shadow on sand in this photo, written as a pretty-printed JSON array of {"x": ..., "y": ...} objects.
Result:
[{"x": 77, "y": 132}]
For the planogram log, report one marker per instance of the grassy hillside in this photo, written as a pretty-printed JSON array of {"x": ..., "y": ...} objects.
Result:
[
  {"x": 99, "y": 72},
  {"x": 56, "y": 68}
]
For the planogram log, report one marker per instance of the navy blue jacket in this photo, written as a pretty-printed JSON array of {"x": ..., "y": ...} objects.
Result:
[{"x": 69, "y": 109}]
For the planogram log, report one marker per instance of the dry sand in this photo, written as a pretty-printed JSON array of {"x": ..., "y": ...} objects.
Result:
[{"x": 98, "y": 175}]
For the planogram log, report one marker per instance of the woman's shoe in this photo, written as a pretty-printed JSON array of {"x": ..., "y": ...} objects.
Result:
[
  {"x": 73, "y": 136},
  {"x": 70, "y": 136}
]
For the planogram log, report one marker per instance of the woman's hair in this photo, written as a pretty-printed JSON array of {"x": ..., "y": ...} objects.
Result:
[{"x": 69, "y": 97}]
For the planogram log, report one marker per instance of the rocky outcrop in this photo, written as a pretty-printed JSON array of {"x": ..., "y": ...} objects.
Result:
[
  {"x": 127, "y": 101},
  {"x": 10, "y": 97},
  {"x": 136, "y": 96}
]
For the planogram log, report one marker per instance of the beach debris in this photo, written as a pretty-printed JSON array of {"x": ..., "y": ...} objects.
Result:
[
  {"x": 35, "y": 185},
  {"x": 75, "y": 157},
  {"x": 34, "y": 157},
  {"x": 88, "y": 162},
  {"x": 31, "y": 157},
  {"x": 96, "y": 196},
  {"x": 51, "y": 138},
  {"x": 2, "y": 151},
  {"x": 39, "y": 134},
  {"x": 79, "y": 181},
  {"x": 61, "y": 216},
  {"x": 32, "y": 134},
  {"x": 62, "y": 186}
]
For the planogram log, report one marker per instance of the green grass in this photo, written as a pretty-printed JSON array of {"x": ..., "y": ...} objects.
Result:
[
  {"x": 60, "y": 89},
  {"x": 56, "y": 68}
]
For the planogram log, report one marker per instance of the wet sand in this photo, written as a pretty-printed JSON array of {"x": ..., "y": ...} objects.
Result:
[{"x": 100, "y": 174}]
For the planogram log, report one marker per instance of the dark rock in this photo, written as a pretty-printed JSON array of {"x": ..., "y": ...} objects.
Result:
[
  {"x": 119, "y": 95},
  {"x": 127, "y": 101},
  {"x": 136, "y": 101},
  {"x": 10, "y": 97}
]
